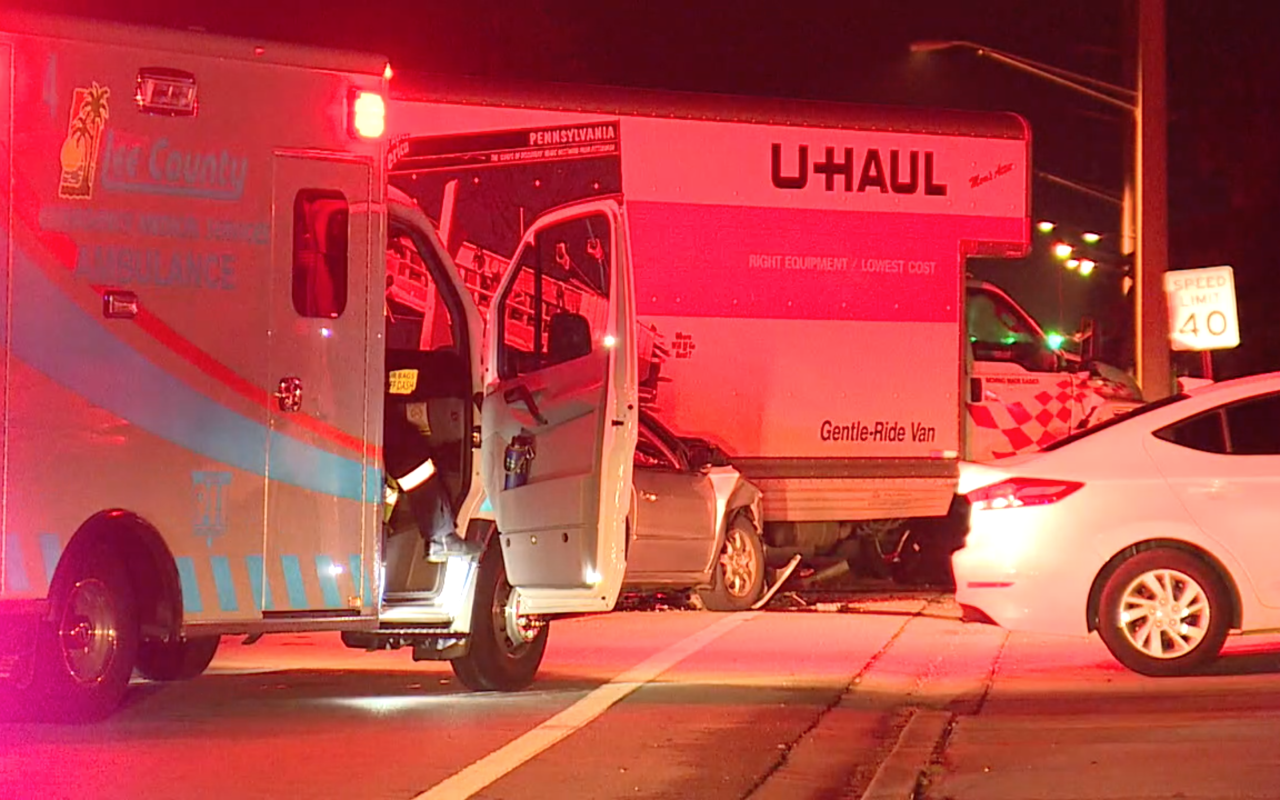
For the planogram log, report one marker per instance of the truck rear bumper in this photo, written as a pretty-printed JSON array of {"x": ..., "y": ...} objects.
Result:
[
  {"x": 851, "y": 489},
  {"x": 854, "y": 499}
]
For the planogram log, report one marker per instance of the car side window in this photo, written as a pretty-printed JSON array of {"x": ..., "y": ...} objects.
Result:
[
  {"x": 1244, "y": 428},
  {"x": 1202, "y": 432},
  {"x": 1254, "y": 426}
]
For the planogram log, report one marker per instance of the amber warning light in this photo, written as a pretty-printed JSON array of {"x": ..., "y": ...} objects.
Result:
[{"x": 368, "y": 114}]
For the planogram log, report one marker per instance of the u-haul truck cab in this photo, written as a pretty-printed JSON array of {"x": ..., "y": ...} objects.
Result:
[
  {"x": 196, "y": 248},
  {"x": 1025, "y": 392}
]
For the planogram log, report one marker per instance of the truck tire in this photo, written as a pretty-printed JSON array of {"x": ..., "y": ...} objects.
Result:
[
  {"x": 505, "y": 648},
  {"x": 85, "y": 658},
  {"x": 738, "y": 580},
  {"x": 178, "y": 660},
  {"x": 1164, "y": 612}
]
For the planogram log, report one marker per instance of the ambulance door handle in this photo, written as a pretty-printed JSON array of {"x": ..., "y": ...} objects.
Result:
[
  {"x": 289, "y": 395},
  {"x": 975, "y": 390}
]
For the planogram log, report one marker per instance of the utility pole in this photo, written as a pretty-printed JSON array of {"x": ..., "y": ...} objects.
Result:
[{"x": 1151, "y": 257}]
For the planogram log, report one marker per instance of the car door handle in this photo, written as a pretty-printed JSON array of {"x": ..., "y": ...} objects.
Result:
[{"x": 521, "y": 394}]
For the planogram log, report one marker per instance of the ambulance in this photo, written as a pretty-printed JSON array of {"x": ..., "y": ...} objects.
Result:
[
  {"x": 800, "y": 277},
  {"x": 197, "y": 357}
]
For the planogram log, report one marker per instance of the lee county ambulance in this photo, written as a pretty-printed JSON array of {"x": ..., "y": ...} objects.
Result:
[{"x": 195, "y": 245}]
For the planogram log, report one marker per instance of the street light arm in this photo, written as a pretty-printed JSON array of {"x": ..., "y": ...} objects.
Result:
[
  {"x": 1079, "y": 187},
  {"x": 1017, "y": 63},
  {"x": 1062, "y": 77}
]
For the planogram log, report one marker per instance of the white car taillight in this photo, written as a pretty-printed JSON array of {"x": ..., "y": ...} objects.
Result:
[{"x": 1019, "y": 492}]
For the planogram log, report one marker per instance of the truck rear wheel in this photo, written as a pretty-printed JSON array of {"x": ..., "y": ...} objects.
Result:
[
  {"x": 85, "y": 659},
  {"x": 178, "y": 660},
  {"x": 506, "y": 646}
]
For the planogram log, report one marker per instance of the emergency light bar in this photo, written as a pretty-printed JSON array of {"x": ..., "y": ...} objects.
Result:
[{"x": 368, "y": 114}]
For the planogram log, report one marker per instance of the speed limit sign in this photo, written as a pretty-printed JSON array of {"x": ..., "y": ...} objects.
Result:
[{"x": 1202, "y": 308}]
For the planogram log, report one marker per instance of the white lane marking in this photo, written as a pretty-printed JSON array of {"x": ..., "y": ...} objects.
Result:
[{"x": 505, "y": 759}]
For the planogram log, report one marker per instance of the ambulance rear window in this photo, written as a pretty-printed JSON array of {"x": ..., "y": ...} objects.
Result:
[{"x": 320, "y": 223}]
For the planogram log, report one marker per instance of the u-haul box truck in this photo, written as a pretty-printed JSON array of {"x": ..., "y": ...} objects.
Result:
[
  {"x": 799, "y": 274},
  {"x": 196, "y": 242}
]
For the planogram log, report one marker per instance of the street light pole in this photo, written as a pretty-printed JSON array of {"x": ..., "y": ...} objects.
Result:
[{"x": 1144, "y": 203}]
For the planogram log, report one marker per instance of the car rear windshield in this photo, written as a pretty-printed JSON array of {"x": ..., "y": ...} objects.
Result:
[{"x": 1116, "y": 420}]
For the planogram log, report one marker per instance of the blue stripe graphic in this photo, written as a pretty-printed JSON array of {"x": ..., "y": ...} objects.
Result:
[
  {"x": 258, "y": 584},
  {"x": 51, "y": 553},
  {"x": 328, "y": 575},
  {"x": 15, "y": 565},
  {"x": 223, "y": 582},
  {"x": 190, "y": 586},
  {"x": 293, "y": 582},
  {"x": 357, "y": 573},
  {"x": 55, "y": 336}
]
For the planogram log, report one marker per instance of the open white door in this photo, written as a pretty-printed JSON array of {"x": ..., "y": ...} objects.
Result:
[{"x": 560, "y": 415}]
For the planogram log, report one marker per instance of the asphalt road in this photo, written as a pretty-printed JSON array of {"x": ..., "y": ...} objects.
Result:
[{"x": 864, "y": 699}]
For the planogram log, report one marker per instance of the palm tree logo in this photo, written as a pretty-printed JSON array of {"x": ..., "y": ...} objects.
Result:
[{"x": 79, "y": 156}]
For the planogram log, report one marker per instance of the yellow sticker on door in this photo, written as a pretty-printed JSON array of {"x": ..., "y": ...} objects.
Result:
[{"x": 403, "y": 381}]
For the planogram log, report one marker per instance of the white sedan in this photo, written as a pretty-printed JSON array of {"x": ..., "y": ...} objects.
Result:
[{"x": 1159, "y": 529}]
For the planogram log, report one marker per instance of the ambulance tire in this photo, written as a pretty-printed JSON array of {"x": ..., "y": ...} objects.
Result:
[
  {"x": 739, "y": 573},
  {"x": 84, "y": 660},
  {"x": 179, "y": 660},
  {"x": 496, "y": 659}
]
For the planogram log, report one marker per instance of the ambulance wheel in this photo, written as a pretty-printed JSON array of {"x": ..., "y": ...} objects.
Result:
[
  {"x": 506, "y": 646},
  {"x": 739, "y": 574},
  {"x": 179, "y": 660},
  {"x": 85, "y": 658}
]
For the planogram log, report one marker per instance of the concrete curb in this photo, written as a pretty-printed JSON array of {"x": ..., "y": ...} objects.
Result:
[{"x": 898, "y": 775}]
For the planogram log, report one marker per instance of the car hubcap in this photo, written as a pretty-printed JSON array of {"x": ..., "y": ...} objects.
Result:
[
  {"x": 1164, "y": 613},
  {"x": 515, "y": 629},
  {"x": 738, "y": 563},
  {"x": 87, "y": 632}
]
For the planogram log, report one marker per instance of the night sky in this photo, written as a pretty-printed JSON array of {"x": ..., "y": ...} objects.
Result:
[{"x": 1223, "y": 70}]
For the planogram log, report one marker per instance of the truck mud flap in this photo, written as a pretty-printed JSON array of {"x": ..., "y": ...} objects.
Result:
[{"x": 18, "y": 648}]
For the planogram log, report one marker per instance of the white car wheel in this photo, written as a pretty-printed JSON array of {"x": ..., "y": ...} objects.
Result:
[{"x": 1164, "y": 612}]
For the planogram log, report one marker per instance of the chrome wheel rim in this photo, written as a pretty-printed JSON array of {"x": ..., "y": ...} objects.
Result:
[
  {"x": 87, "y": 631},
  {"x": 514, "y": 628},
  {"x": 738, "y": 563},
  {"x": 1164, "y": 613}
]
